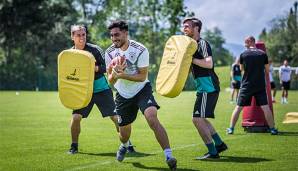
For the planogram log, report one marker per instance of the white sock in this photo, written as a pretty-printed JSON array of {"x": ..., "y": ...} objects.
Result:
[
  {"x": 125, "y": 144},
  {"x": 168, "y": 153}
]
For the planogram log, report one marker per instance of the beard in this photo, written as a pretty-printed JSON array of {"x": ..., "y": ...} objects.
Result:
[{"x": 119, "y": 44}]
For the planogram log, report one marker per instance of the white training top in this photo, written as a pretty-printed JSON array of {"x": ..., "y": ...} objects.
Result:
[
  {"x": 137, "y": 56},
  {"x": 285, "y": 73},
  {"x": 271, "y": 73}
]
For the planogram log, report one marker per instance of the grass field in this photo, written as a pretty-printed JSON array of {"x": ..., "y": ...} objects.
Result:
[{"x": 34, "y": 135}]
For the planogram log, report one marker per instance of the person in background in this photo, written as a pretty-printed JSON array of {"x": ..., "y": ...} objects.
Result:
[
  {"x": 236, "y": 79},
  {"x": 254, "y": 64},
  {"x": 285, "y": 81},
  {"x": 272, "y": 83}
]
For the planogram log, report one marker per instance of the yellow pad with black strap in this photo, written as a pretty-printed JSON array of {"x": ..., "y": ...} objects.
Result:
[
  {"x": 75, "y": 78},
  {"x": 175, "y": 65}
]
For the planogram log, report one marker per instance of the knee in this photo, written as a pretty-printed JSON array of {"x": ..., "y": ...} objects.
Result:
[
  {"x": 153, "y": 122},
  {"x": 196, "y": 120},
  {"x": 76, "y": 118}
]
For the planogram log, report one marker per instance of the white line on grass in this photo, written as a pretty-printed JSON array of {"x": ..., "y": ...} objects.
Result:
[{"x": 94, "y": 164}]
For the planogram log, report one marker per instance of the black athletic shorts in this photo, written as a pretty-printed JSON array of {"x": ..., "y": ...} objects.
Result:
[
  {"x": 104, "y": 102},
  {"x": 236, "y": 85},
  {"x": 286, "y": 85},
  {"x": 272, "y": 84},
  {"x": 205, "y": 105},
  {"x": 127, "y": 109},
  {"x": 245, "y": 96}
]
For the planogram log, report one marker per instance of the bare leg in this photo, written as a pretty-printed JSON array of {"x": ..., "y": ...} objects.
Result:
[
  {"x": 124, "y": 133},
  {"x": 235, "y": 116},
  {"x": 115, "y": 121},
  {"x": 268, "y": 115},
  {"x": 75, "y": 127},
  {"x": 203, "y": 129},
  {"x": 232, "y": 94},
  {"x": 159, "y": 131}
]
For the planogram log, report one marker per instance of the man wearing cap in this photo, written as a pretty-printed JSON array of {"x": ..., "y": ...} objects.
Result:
[
  {"x": 207, "y": 85},
  {"x": 102, "y": 93}
]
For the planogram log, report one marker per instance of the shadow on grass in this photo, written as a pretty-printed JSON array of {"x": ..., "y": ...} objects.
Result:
[
  {"x": 135, "y": 154},
  {"x": 235, "y": 159},
  {"x": 141, "y": 166},
  {"x": 287, "y": 133}
]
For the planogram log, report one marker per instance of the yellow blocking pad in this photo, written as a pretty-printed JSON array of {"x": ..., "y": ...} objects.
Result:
[
  {"x": 175, "y": 65},
  {"x": 75, "y": 78},
  {"x": 291, "y": 117}
]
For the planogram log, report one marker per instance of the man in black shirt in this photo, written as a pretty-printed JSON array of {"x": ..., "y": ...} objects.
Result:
[
  {"x": 102, "y": 93},
  {"x": 254, "y": 63}
]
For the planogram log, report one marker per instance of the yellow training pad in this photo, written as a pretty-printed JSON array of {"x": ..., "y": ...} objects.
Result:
[
  {"x": 75, "y": 78},
  {"x": 291, "y": 117},
  {"x": 175, "y": 65}
]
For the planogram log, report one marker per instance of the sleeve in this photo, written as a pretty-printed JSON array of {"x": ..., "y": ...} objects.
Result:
[
  {"x": 143, "y": 60},
  {"x": 241, "y": 59},
  {"x": 206, "y": 49},
  {"x": 100, "y": 60},
  {"x": 108, "y": 59}
]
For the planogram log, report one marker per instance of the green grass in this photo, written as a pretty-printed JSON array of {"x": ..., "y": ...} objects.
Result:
[{"x": 34, "y": 135}]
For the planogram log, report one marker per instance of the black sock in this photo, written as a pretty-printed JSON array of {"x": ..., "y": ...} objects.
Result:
[{"x": 75, "y": 145}]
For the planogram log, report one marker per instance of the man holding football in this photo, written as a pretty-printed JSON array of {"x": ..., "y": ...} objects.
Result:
[{"x": 127, "y": 64}]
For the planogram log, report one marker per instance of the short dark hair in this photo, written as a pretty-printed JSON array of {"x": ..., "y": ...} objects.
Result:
[
  {"x": 252, "y": 39},
  {"x": 122, "y": 25},
  {"x": 195, "y": 21}
]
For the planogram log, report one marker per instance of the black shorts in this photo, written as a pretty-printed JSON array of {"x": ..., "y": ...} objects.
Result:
[
  {"x": 245, "y": 96},
  {"x": 272, "y": 84},
  {"x": 127, "y": 109},
  {"x": 236, "y": 85},
  {"x": 205, "y": 105},
  {"x": 286, "y": 85},
  {"x": 104, "y": 102}
]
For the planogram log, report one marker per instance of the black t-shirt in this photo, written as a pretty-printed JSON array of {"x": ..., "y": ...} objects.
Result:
[
  {"x": 98, "y": 54},
  {"x": 205, "y": 78},
  {"x": 236, "y": 70},
  {"x": 253, "y": 61}
]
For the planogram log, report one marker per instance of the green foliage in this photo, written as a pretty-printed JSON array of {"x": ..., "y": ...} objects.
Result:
[
  {"x": 282, "y": 38},
  {"x": 221, "y": 56}
]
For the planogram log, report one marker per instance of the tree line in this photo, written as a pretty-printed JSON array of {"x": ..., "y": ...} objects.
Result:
[{"x": 33, "y": 32}]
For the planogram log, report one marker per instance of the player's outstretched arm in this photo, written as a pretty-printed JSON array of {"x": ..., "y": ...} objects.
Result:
[{"x": 205, "y": 63}]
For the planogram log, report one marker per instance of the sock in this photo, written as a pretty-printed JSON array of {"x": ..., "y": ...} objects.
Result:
[
  {"x": 129, "y": 143},
  {"x": 168, "y": 153},
  {"x": 211, "y": 148},
  {"x": 75, "y": 145},
  {"x": 217, "y": 140},
  {"x": 125, "y": 144}
]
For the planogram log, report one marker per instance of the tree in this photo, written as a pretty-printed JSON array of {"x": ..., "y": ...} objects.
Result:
[
  {"x": 282, "y": 38},
  {"x": 221, "y": 56}
]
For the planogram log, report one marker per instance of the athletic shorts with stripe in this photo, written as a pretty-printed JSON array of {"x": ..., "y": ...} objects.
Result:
[
  {"x": 245, "y": 96},
  {"x": 104, "y": 102},
  {"x": 205, "y": 105},
  {"x": 127, "y": 109}
]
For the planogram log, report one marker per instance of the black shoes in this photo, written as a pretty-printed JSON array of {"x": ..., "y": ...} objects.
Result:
[
  {"x": 208, "y": 156},
  {"x": 172, "y": 163},
  {"x": 222, "y": 147},
  {"x": 73, "y": 150}
]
